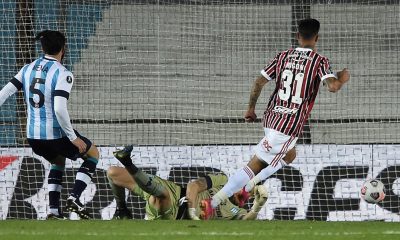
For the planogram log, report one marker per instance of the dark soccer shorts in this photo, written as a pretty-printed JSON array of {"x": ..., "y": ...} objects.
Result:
[{"x": 50, "y": 149}]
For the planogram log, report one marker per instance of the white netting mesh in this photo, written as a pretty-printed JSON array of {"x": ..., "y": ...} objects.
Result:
[{"x": 174, "y": 77}]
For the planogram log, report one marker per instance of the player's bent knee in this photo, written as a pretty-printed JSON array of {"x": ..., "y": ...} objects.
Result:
[
  {"x": 93, "y": 152},
  {"x": 256, "y": 164},
  {"x": 59, "y": 161},
  {"x": 113, "y": 172}
]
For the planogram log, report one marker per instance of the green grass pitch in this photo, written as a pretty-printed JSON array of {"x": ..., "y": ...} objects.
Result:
[{"x": 171, "y": 230}]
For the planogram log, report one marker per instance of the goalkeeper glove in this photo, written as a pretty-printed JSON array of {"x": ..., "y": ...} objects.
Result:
[{"x": 260, "y": 198}]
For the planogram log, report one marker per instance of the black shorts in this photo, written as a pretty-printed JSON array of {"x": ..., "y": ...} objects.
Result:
[{"x": 50, "y": 149}]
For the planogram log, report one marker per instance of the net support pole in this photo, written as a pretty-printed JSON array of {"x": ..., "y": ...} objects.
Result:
[
  {"x": 25, "y": 53},
  {"x": 301, "y": 10},
  {"x": 62, "y": 25}
]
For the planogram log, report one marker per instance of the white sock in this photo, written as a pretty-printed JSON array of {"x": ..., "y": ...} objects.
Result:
[
  {"x": 54, "y": 211},
  {"x": 219, "y": 197},
  {"x": 234, "y": 184},
  {"x": 261, "y": 176}
]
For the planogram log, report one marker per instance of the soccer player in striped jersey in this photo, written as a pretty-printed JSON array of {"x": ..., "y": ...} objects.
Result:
[
  {"x": 166, "y": 200},
  {"x": 297, "y": 74},
  {"x": 46, "y": 84}
]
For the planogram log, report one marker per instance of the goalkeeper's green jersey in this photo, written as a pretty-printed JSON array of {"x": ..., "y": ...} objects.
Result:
[
  {"x": 153, "y": 213},
  {"x": 226, "y": 210}
]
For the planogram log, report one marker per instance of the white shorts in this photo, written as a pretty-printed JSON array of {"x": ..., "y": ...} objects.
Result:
[{"x": 274, "y": 146}]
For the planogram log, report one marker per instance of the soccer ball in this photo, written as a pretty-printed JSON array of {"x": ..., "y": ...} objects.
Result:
[{"x": 373, "y": 191}]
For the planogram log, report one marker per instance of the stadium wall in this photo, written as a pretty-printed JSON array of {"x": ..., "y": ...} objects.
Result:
[{"x": 322, "y": 184}]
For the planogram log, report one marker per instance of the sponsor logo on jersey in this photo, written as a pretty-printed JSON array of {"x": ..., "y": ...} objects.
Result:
[
  {"x": 281, "y": 109},
  {"x": 266, "y": 145},
  {"x": 302, "y": 55}
]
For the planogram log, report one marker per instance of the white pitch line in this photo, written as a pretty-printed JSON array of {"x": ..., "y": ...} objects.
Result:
[
  {"x": 391, "y": 232},
  {"x": 227, "y": 233},
  {"x": 345, "y": 233}
]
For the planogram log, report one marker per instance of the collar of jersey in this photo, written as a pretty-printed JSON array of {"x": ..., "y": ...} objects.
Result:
[
  {"x": 303, "y": 49},
  {"x": 49, "y": 58}
]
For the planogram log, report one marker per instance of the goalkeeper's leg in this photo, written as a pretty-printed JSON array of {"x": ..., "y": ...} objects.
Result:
[
  {"x": 119, "y": 179},
  {"x": 143, "y": 180}
]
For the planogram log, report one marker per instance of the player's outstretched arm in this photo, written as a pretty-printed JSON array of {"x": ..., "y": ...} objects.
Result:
[
  {"x": 199, "y": 185},
  {"x": 10, "y": 88},
  {"x": 260, "y": 198},
  {"x": 334, "y": 84},
  {"x": 250, "y": 115},
  {"x": 193, "y": 188}
]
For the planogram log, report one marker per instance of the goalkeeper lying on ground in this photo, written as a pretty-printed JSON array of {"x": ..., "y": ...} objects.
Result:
[{"x": 166, "y": 200}]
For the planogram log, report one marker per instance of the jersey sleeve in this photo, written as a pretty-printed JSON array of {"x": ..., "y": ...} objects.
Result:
[
  {"x": 229, "y": 211},
  {"x": 216, "y": 180},
  {"x": 64, "y": 84},
  {"x": 269, "y": 72},
  {"x": 17, "y": 79},
  {"x": 12, "y": 87},
  {"x": 61, "y": 95},
  {"x": 325, "y": 70},
  {"x": 242, "y": 212}
]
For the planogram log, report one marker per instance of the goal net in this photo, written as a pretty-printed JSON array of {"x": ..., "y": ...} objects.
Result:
[{"x": 173, "y": 78}]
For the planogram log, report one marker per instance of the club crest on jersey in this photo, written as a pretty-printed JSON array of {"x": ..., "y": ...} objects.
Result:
[
  {"x": 69, "y": 79},
  {"x": 266, "y": 145},
  {"x": 280, "y": 109}
]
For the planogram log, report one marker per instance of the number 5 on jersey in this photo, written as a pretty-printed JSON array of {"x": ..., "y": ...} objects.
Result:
[{"x": 33, "y": 88}]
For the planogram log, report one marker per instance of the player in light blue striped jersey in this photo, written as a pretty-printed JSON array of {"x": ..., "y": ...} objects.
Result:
[{"x": 46, "y": 84}]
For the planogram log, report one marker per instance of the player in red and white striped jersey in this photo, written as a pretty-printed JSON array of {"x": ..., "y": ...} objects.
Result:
[{"x": 298, "y": 73}]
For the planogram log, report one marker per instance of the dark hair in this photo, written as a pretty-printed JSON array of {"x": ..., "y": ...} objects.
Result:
[
  {"x": 52, "y": 41},
  {"x": 308, "y": 28}
]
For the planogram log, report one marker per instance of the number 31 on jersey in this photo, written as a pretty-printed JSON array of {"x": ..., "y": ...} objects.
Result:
[{"x": 286, "y": 92}]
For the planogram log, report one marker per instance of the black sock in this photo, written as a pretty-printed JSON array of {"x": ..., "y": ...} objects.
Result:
[
  {"x": 54, "y": 182},
  {"x": 84, "y": 176}
]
